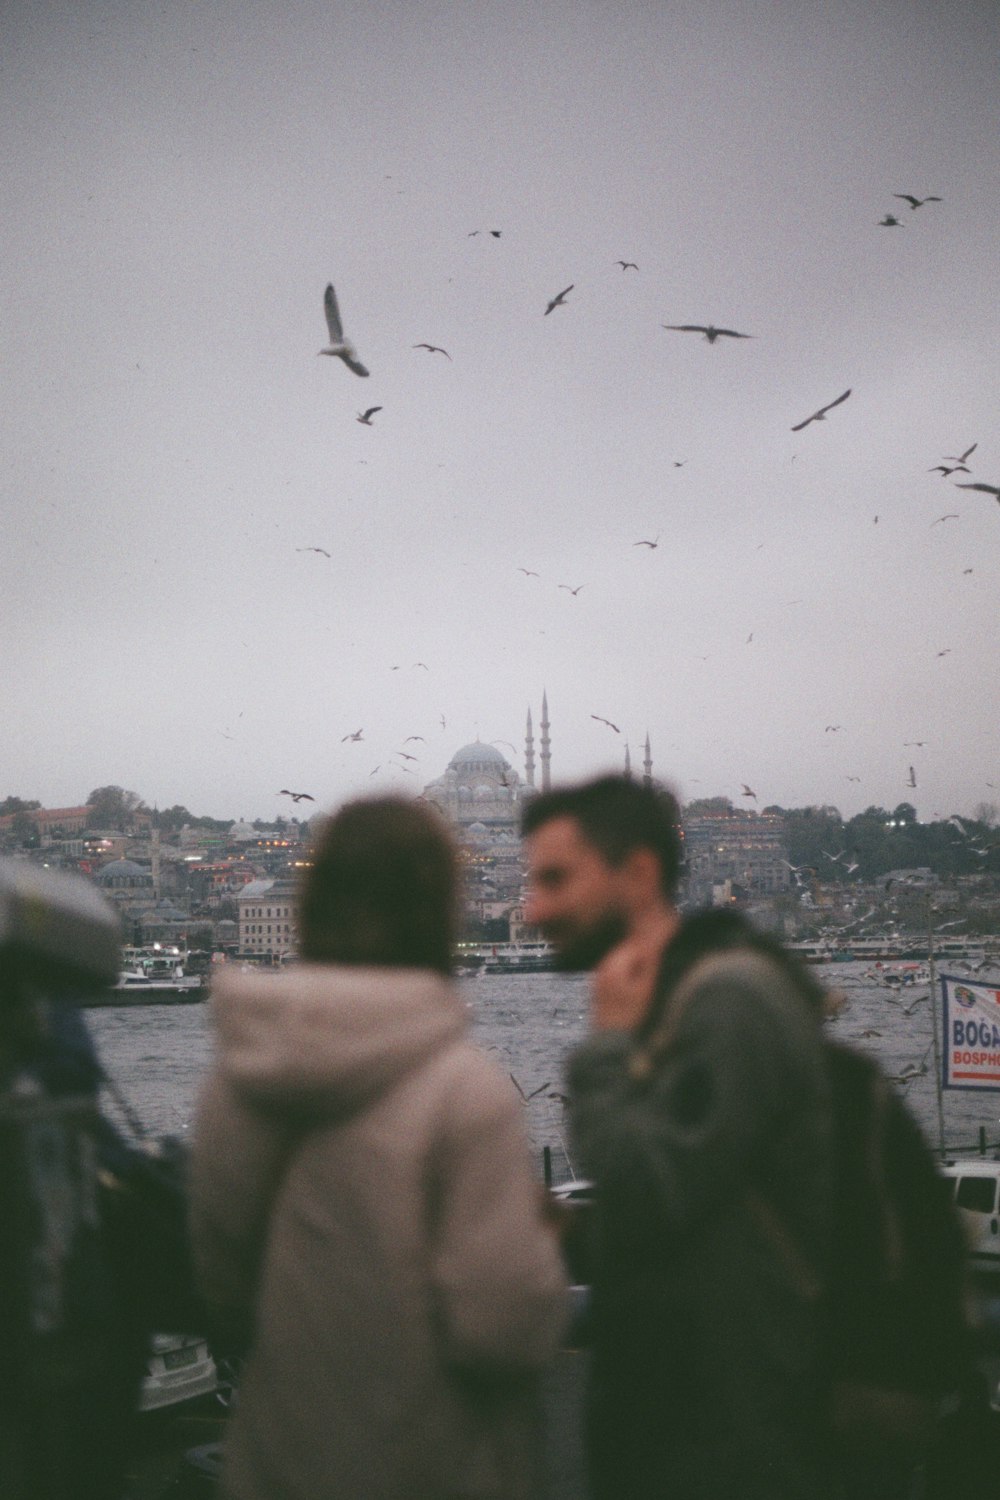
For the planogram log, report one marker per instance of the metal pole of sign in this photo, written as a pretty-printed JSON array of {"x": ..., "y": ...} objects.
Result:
[{"x": 932, "y": 972}]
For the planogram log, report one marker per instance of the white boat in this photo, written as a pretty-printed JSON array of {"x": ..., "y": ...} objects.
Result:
[{"x": 518, "y": 958}]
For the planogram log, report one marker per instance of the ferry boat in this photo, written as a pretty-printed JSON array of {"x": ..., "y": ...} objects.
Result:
[
  {"x": 518, "y": 958},
  {"x": 152, "y": 976}
]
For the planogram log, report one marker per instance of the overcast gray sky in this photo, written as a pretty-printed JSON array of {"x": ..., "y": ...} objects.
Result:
[{"x": 183, "y": 181}]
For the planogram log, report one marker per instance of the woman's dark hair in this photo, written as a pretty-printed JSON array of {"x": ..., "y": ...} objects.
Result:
[{"x": 381, "y": 889}]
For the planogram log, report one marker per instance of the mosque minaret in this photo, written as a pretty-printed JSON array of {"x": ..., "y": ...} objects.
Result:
[
  {"x": 546, "y": 754},
  {"x": 529, "y": 753}
]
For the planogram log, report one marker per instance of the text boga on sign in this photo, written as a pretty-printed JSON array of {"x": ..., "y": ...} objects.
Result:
[{"x": 971, "y": 1015}]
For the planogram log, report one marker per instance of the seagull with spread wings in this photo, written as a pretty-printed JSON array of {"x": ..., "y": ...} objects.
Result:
[
  {"x": 963, "y": 458},
  {"x": 296, "y": 796},
  {"x": 339, "y": 345},
  {"x": 984, "y": 489},
  {"x": 917, "y": 202},
  {"x": 311, "y": 549},
  {"x": 711, "y": 333},
  {"x": 560, "y": 300},
  {"x": 819, "y": 416},
  {"x": 365, "y": 417},
  {"x": 433, "y": 349},
  {"x": 607, "y": 722},
  {"x": 627, "y": 265}
]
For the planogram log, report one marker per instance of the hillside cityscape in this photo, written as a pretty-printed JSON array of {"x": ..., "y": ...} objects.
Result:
[{"x": 229, "y": 886}]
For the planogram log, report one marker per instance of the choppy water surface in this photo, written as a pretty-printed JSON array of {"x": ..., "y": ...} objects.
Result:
[{"x": 529, "y": 1023}]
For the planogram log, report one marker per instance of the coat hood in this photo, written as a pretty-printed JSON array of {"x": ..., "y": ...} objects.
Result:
[{"x": 324, "y": 1039}]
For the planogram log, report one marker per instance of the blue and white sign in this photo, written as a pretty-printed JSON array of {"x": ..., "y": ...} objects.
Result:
[{"x": 971, "y": 1018}]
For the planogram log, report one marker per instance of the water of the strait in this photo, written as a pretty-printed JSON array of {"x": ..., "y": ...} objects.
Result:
[{"x": 529, "y": 1023}]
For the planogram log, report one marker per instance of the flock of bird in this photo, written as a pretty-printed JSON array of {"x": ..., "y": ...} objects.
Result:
[{"x": 341, "y": 347}]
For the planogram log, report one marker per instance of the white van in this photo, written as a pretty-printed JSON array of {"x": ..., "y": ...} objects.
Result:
[{"x": 977, "y": 1197}]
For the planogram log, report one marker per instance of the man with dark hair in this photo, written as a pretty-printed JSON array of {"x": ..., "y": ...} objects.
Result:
[{"x": 699, "y": 1106}]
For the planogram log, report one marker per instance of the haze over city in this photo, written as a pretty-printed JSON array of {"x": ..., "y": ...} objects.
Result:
[{"x": 214, "y": 575}]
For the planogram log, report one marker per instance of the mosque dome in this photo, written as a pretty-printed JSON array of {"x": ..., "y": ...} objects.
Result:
[{"x": 478, "y": 757}]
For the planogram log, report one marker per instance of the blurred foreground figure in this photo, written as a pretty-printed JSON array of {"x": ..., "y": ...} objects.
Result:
[
  {"x": 688, "y": 1100},
  {"x": 70, "y": 1358},
  {"x": 364, "y": 1203}
]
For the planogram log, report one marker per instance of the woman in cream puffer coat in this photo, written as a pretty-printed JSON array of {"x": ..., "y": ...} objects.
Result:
[{"x": 363, "y": 1200}]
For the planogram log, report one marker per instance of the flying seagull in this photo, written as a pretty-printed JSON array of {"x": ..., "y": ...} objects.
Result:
[
  {"x": 747, "y": 792},
  {"x": 343, "y": 348},
  {"x": 917, "y": 202},
  {"x": 366, "y": 416},
  {"x": 963, "y": 458},
  {"x": 627, "y": 265},
  {"x": 654, "y": 545},
  {"x": 945, "y": 469},
  {"x": 558, "y": 301},
  {"x": 889, "y": 222},
  {"x": 951, "y": 516},
  {"x": 355, "y": 736},
  {"x": 433, "y": 349},
  {"x": 311, "y": 549},
  {"x": 296, "y": 796},
  {"x": 985, "y": 489},
  {"x": 569, "y": 588},
  {"x": 607, "y": 722},
  {"x": 818, "y": 416},
  {"x": 528, "y": 572},
  {"x": 710, "y": 333}
]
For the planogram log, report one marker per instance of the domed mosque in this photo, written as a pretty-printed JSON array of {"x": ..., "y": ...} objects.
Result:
[{"x": 482, "y": 795}]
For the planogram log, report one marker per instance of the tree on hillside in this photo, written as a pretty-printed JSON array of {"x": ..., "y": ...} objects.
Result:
[{"x": 112, "y": 807}]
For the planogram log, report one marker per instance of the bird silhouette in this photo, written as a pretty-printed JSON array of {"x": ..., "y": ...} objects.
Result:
[
  {"x": 711, "y": 333},
  {"x": 819, "y": 416},
  {"x": 747, "y": 792},
  {"x": 951, "y": 516},
  {"x": 355, "y": 737},
  {"x": 917, "y": 202},
  {"x": 889, "y": 222},
  {"x": 963, "y": 458},
  {"x": 947, "y": 469},
  {"x": 627, "y": 265},
  {"x": 405, "y": 756},
  {"x": 607, "y": 722},
  {"x": 541, "y": 1089},
  {"x": 313, "y": 549},
  {"x": 559, "y": 300},
  {"x": 984, "y": 489},
  {"x": 528, "y": 573},
  {"x": 433, "y": 349},
  {"x": 410, "y": 737},
  {"x": 339, "y": 345},
  {"x": 366, "y": 416},
  {"x": 296, "y": 796},
  {"x": 653, "y": 545},
  {"x": 569, "y": 588}
]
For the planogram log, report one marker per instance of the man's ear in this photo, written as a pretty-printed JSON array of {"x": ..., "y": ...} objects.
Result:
[{"x": 641, "y": 868}]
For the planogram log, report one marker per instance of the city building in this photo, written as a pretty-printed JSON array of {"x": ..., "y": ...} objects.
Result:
[
  {"x": 266, "y": 918},
  {"x": 734, "y": 853}
]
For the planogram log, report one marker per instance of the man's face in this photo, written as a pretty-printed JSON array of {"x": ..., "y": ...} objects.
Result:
[{"x": 575, "y": 896}]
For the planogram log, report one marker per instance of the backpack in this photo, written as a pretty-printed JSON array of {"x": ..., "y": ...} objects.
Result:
[{"x": 894, "y": 1334}]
